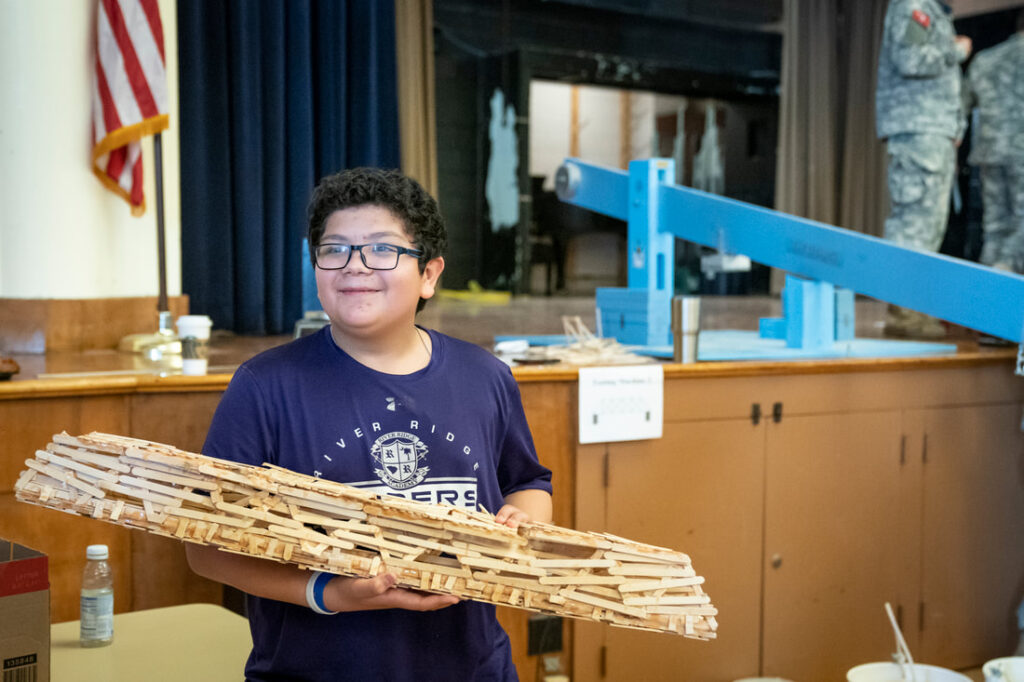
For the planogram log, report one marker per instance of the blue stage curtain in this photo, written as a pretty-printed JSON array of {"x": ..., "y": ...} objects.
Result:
[{"x": 273, "y": 96}]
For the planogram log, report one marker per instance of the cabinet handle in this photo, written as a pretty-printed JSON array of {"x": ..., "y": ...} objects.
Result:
[{"x": 776, "y": 560}]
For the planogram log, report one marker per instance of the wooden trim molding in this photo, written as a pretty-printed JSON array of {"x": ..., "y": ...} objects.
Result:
[{"x": 46, "y": 325}]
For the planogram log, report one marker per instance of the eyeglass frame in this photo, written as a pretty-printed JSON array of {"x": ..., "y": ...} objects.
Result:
[{"x": 398, "y": 250}]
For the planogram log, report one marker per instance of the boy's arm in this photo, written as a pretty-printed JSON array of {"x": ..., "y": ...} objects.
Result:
[
  {"x": 287, "y": 583},
  {"x": 525, "y": 505}
]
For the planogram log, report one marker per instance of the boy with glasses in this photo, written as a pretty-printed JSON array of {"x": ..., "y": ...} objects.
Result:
[{"x": 375, "y": 401}]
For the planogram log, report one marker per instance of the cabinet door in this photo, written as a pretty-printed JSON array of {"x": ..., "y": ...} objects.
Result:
[
  {"x": 588, "y": 638},
  {"x": 837, "y": 503},
  {"x": 698, "y": 490},
  {"x": 973, "y": 539}
]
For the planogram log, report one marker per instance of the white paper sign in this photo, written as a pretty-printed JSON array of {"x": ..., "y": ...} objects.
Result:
[{"x": 621, "y": 403}]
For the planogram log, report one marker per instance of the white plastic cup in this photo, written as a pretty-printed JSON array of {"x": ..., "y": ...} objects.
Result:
[
  {"x": 1004, "y": 669},
  {"x": 194, "y": 332},
  {"x": 891, "y": 672}
]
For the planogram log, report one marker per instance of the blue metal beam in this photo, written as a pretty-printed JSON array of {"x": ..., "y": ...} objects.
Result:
[{"x": 972, "y": 295}]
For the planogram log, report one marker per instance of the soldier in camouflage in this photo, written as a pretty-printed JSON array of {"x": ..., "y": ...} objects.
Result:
[
  {"x": 995, "y": 86},
  {"x": 918, "y": 112}
]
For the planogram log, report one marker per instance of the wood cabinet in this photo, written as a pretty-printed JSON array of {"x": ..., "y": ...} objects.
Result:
[
  {"x": 850, "y": 490},
  {"x": 834, "y": 543},
  {"x": 972, "y": 536},
  {"x": 151, "y": 571},
  {"x": 665, "y": 493}
]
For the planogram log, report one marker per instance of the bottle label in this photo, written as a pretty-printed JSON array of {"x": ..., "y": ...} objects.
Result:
[{"x": 97, "y": 616}]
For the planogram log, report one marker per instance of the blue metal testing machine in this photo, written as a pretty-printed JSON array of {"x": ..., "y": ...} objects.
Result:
[{"x": 827, "y": 264}]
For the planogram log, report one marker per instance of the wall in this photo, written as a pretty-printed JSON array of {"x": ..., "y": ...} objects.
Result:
[
  {"x": 599, "y": 122},
  {"x": 550, "y": 123},
  {"x": 592, "y": 258},
  {"x": 62, "y": 234}
]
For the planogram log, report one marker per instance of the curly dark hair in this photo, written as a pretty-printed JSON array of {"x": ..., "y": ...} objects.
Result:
[{"x": 390, "y": 189}]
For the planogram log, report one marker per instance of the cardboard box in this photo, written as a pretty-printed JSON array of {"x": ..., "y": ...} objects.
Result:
[{"x": 24, "y": 614}]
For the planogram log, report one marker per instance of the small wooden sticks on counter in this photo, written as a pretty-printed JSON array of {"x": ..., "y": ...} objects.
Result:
[{"x": 274, "y": 513}]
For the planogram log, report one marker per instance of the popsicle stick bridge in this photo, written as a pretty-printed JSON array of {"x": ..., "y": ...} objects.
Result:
[{"x": 277, "y": 514}]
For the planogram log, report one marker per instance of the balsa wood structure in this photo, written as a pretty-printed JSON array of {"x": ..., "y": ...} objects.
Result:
[{"x": 274, "y": 513}]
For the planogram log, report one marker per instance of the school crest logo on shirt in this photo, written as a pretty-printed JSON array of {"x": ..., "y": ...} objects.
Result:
[{"x": 399, "y": 455}]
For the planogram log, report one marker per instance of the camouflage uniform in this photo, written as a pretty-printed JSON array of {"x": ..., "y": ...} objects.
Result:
[
  {"x": 995, "y": 85},
  {"x": 918, "y": 111}
]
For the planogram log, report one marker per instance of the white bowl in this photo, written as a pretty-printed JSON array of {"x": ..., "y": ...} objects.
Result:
[
  {"x": 890, "y": 672},
  {"x": 1007, "y": 669}
]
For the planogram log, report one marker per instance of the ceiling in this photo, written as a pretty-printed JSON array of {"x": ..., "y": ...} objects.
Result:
[
  {"x": 750, "y": 12},
  {"x": 966, "y": 8},
  {"x": 726, "y": 12}
]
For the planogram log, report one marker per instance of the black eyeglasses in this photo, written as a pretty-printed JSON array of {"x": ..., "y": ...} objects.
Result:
[{"x": 379, "y": 256}]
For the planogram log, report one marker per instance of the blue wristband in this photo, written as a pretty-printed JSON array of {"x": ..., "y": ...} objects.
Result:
[{"x": 315, "y": 592}]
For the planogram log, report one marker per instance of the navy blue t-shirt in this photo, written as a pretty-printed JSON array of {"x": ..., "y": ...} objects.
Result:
[{"x": 453, "y": 432}]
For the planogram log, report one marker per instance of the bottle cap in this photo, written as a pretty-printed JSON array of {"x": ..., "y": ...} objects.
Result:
[{"x": 97, "y": 552}]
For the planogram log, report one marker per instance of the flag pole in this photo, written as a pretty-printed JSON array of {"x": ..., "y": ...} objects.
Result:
[
  {"x": 163, "y": 308},
  {"x": 164, "y": 342}
]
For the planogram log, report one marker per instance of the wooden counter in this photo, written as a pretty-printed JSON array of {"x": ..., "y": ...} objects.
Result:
[{"x": 882, "y": 479}]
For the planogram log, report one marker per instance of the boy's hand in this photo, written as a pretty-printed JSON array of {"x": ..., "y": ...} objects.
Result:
[
  {"x": 511, "y": 516},
  {"x": 525, "y": 505},
  {"x": 374, "y": 594}
]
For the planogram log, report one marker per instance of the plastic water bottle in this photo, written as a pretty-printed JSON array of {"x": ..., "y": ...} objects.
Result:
[{"x": 97, "y": 605}]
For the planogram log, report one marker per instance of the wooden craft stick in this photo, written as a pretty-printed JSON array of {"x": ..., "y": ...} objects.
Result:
[
  {"x": 603, "y": 603},
  {"x": 513, "y": 582},
  {"x": 311, "y": 536},
  {"x": 667, "y": 600},
  {"x": 574, "y": 563},
  {"x": 101, "y": 446},
  {"x": 600, "y": 591},
  {"x": 65, "y": 477},
  {"x": 501, "y": 566},
  {"x": 206, "y": 516},
  {"x": 322, "y": 506},
  {"x": 664, "y": 583},
  {"x": 670, "y": 558},
  {"x": 423, "y": 567},
  {"x": 582, "y": 580},
  {"x": 184, "y": 481},
  {"x": 86, "y": 457},
  {"x": 649, "y": 552},
  {"x": 258, "y": 514},
  {"x": 650, "y": 570},
  {"x": 140, "y": 493},
  {"x": 168, "y": 490}
]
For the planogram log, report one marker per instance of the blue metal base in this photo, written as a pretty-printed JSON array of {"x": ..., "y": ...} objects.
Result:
[
  {"x": 723, "y": 345},
  {"x": 816, "y": 314},
  {"x": 634, "y": 316},
  {"x": 728, "y": 344}
]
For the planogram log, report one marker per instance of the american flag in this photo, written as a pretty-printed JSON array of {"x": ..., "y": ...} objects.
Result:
[{"x": 129, "y": 98}]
